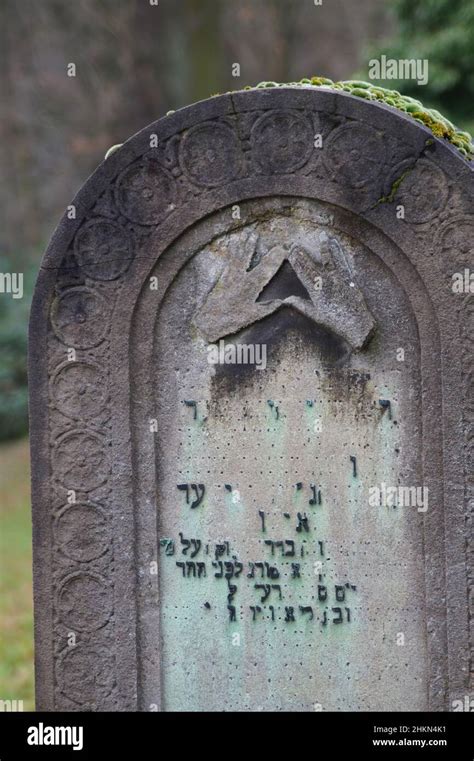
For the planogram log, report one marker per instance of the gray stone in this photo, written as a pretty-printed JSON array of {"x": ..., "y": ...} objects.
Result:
[{"x": 238, "y": 343}]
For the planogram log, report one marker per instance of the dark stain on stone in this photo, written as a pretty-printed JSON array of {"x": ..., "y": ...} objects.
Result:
[{"x": 275, "y": 332}]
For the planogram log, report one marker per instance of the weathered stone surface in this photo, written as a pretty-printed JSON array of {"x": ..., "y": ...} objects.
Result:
[{"x": 204, "y": 534}]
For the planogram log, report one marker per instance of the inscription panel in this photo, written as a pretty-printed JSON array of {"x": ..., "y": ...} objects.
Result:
[{"x": 282, "y": 584}]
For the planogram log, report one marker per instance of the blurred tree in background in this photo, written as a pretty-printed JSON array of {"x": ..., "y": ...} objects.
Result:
[
  {"x": 441, "y": 31},
  {"x": 134, "y": 62}
]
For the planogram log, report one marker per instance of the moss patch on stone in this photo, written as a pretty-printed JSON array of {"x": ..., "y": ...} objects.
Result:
[
  {"x": 436, "y": 122},
  {"x": 390, "y": 197}
]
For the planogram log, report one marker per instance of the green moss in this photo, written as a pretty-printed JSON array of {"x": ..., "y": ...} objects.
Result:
[
  {"x": 436, "y": 122},
  {"x": 395, "y": 185}
]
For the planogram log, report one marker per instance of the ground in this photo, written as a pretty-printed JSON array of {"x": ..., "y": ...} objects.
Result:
[{"x": 16, "y": 596}]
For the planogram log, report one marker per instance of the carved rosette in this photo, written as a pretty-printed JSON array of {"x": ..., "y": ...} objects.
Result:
[
  {"x": 78, "y": 318},
  {"x": 423, "y": 192},
  {"x": 144, "y": 194},
  {"x": 354, "y": 155},
  {"x": 79, "y": 390},
  {"x": 83, "y": 672},
  {"x": 210, "y": 154},
  {"x": 84, "y": 602},
  {"x": 82, "y": 532},
  {"x": 455, "y": 242},
  {"x": 282, "y": 142},
  {"x": 103, "y": 249},
  {"x": 80, "y": 461}
]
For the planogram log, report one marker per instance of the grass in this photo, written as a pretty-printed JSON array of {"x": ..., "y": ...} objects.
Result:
[{"x": 16, "y": 599}]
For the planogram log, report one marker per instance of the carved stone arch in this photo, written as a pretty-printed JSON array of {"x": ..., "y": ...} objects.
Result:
[{"x": 93, "y": 296}]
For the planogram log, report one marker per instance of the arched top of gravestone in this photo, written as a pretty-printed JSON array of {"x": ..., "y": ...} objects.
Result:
[{"x": 369, "y": 158}]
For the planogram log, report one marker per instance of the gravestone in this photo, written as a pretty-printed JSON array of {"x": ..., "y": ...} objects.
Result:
[{"x": 251, "y": 416}]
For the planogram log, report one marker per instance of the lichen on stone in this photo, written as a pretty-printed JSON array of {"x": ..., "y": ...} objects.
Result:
[{"x": 439, "y": 125}]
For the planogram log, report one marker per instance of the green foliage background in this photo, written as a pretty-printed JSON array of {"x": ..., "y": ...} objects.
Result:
[
  {"x": 13, "y": 352},
  {"x": 441, "y": 31}
]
